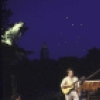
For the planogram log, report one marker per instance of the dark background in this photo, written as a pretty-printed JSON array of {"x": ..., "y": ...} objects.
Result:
[{"x": 42, "y": 71}]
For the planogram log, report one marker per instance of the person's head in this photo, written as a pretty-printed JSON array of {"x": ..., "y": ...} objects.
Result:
[
  {"x": 70, "y": 72},
  {"x": 16, "y": 97}
]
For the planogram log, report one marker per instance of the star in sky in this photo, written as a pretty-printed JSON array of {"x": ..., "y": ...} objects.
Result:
[
  {"x": 72, "y": 24},
  {"x": 65, "y": 41},
  {"x": 66, "y": 17},
  {"x": 58, "y": 44},
  {"x": 80, "y": 24},
  {"x": 76, "y": 41},
  {"x": 83, "y": 49}
]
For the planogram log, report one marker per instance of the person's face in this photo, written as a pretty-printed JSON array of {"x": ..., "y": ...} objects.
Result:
[
  {"x": 70, "y": 73},
  {"x": 19, "y": 98}
]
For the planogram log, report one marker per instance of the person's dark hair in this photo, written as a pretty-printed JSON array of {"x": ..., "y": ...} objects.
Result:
[
  {"x": 14, "y": 97},
  {"x": 69, "y": 69}
]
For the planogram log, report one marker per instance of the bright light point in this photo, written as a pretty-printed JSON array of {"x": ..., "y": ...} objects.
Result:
[
  {"x": 83, "y": 49},
  {"x": 80, "y": 24},
  {"x": 65, "y": 41},
  {"x": 1, "y": 28},
  {"x": 72, "y": 24},
  {"x": 78, "y": 37},
  {"x": 66, "y": 17},
  {"x": 61, "y": 33},
  {"x": 58, "y": 44}
]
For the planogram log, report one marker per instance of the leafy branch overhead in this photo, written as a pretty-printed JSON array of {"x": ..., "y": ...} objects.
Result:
[{"x": 10, "y": 33}]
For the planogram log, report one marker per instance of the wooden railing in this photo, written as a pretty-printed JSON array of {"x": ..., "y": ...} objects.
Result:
[{"x": 91, "y": 86}]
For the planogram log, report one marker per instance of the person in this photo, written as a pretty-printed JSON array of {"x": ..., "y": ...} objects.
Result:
[
  {"x": 73, "y": 94},
  {"x": 16, "y": 97}
]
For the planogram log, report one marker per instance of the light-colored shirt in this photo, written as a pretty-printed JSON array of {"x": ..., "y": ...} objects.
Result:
[{"x": 67, "y": 79}]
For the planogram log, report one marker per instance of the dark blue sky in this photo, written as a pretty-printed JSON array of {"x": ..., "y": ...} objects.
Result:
[{"x": 52, "y": 21}]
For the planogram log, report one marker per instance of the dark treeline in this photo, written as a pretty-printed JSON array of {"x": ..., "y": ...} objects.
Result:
[{"x": 31, "y": 76}]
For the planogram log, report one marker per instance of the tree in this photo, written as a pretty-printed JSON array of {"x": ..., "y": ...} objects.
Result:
[
  {"x": 11, "y": 54},
  {"x": 91, "y": 61},
  {"x": 4, "y": 16},
  {"x": 93, "y": 55}
]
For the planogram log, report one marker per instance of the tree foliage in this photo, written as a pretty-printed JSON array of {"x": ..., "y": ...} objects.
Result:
[
  {"x": 11, "y": 55},
  {"x": 5, "y": 14}
]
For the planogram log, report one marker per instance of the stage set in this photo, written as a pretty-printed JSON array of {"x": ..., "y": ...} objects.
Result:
[{"x": 91, "y": 90}]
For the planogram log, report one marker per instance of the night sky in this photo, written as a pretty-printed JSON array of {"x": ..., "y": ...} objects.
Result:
[{"x": 69, "y": 27}]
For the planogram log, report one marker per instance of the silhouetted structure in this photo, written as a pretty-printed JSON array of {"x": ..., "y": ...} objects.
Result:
[{"x": 44, "y": 53}]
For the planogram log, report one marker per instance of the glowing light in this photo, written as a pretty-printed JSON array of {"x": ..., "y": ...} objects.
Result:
[
  {"x": 61, "y": 33},
  {"x": 66, "y": 17},
  {"x": 78, "y": 37},
  {"x": 76, "y": 41},
  {"x": 72, "y": 24},
  {"x": 58, "y": 44},
  {"x": 83, "y": 49},
  {"x": 80, "y": 24},
  {"x": 65, "y": 41}
]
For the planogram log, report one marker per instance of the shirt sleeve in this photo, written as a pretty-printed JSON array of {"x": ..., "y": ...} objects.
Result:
[{"x": 63, "y": 82}]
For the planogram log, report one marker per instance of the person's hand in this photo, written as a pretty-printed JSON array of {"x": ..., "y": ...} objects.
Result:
[
  {"x": 79, "y": 94},
  {"x": 66, "y": 86}
]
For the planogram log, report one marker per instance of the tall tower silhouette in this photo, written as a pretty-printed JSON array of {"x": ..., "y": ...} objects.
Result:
[{"x": 44, "y": 53}]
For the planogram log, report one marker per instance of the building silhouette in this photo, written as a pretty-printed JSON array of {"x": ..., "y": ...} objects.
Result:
[{"x": 44, "y": 53}]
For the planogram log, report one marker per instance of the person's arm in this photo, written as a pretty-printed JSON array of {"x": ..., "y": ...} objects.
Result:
[{"x": 64, "y": 84}]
